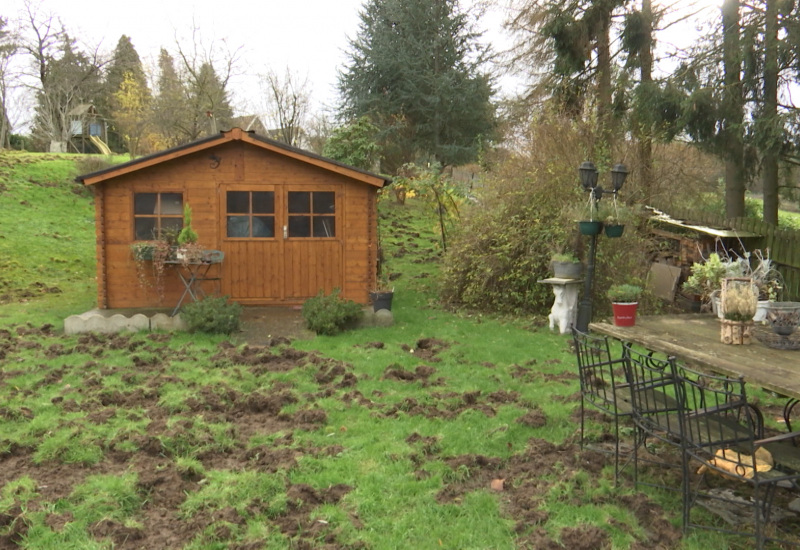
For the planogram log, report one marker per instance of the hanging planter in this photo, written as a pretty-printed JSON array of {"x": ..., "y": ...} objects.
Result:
[
  {"x": 614, "y": 231},
  {"x": 590, "y": 227}
]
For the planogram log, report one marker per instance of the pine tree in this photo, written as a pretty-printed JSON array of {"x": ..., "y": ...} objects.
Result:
[
  {"x": 416, "y": 69},
  {"x": 170, "y": 109},
  {"x": 125, "y": 69}
]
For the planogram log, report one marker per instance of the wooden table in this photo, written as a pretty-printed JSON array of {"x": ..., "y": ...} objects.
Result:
[{"x": 694, "y": 339}]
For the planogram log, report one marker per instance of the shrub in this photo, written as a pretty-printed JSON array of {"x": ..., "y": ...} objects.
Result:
[
  {"x": 624, "y": 293},
  {"x": 213, "y": 315},
  {"x": 330, "y": 314}
]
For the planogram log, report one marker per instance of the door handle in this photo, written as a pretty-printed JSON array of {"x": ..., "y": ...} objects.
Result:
[{"x": 285, "y": 232}]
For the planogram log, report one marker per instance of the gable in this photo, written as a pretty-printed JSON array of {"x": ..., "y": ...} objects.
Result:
[{"x": 210, "y": 145}]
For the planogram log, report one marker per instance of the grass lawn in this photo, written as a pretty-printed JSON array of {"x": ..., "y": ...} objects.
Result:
[{"x": 447, "y": 430}]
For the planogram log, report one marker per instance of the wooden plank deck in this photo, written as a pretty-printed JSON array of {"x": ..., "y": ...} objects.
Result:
[{"x": 695, "y": 340}]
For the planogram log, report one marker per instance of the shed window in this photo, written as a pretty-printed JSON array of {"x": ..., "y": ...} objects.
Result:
[
  {"x": 312, "y": 214},
  {"x": 157, "y": 215},
  {"x": 251, "y": 214}
]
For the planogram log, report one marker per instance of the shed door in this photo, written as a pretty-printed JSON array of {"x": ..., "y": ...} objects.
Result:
[{"x": 281, "y": 245}]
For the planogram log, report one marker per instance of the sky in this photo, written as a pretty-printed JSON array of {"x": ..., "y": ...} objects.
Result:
[{"x": 308, "y": 36}]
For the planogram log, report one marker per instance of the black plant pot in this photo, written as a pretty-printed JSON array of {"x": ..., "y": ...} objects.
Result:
[
  {"x": 590, "y": 227},
  {"x": 614, "y": 230},
  {"x": 381, "y": 300}
]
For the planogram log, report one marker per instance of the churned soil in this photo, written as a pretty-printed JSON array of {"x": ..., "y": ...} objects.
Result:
[{"x": 522, "y": 482}]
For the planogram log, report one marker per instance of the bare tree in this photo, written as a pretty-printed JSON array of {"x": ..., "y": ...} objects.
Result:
[
  {"x": 320, "y": 129},
  {"x": 206, "y": 73},
  {"x": 287, "y": 102},
  {"x": 8, "y": 48},
  {"x": 62, "y": 76}
]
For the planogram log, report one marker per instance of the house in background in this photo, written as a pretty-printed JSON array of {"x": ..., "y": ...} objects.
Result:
[{"x": 290, "y": 223}]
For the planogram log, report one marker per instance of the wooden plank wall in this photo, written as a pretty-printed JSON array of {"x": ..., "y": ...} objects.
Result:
[
  {"x": 783, "y": 244},
  {"x": 200, "y": 184}
]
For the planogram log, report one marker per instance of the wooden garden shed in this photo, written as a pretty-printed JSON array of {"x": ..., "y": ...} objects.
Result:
[{"x": 289, "y": 222}]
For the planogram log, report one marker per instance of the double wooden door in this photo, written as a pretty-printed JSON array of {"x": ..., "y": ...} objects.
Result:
[{"x": 282, "y": 244}]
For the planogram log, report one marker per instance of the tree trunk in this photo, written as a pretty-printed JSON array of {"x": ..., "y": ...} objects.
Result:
[
  {"x": 770, "y": 116},
  {"x": 733, "y": 111},
  {"x": 604, "y": 85},
  {"x": 646, "y": 77}
]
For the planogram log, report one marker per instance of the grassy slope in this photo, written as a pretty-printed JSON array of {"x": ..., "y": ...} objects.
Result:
[{"x": 48, "y": 238}]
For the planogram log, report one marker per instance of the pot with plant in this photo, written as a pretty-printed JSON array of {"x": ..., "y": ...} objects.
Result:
[
  {"x": 706, "y": 278},
  {"x": 624, "y": 303},
  {"x": 614, "y": 217},
  {"x": 566, "y": 266},
  {"x": 738, "y": 303},
  {"x": 189, "y": 250},
  {"x": 383, "y": 294}
]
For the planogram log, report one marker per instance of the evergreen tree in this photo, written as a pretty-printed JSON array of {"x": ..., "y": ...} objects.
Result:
[
  {"x": 170, "y": 108},
  {"x": 208, "y": 100},
  {"x": 572, "y": 42},
  {"x": 125, "y": 69},
  {"x": 415, "y": 68}
]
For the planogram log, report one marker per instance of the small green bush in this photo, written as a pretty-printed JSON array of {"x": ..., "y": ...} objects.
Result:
[
  {"x": 213, "y": 315},
  {"x": 330, "y": 314}
]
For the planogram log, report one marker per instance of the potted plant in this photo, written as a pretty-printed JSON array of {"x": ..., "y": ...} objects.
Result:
[
  {"x": 383, "y": 294},
  {"x": 566, "y": 265},
  {"x": 624, "y": 302},
  {"x": 189, "y": 251},
  {"x": 739, "y": 297},
  {"x": 767, "y": 279},
  {"x": 614, "y": 218},
  {"x": 706, "y": 277}
]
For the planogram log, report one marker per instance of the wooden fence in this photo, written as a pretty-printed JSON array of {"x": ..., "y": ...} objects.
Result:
[{"x": 783, "y": 244}]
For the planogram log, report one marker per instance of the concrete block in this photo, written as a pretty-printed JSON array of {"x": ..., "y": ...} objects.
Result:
[{"x": 162, "y": 321}]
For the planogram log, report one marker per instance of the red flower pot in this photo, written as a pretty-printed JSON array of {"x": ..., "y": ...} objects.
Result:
[{"x": 624, "y": 313}]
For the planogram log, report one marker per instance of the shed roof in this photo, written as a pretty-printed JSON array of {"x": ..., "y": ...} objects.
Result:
[
  {"x": 663, "y": 217},
  {"x": 233, "y": 135}
]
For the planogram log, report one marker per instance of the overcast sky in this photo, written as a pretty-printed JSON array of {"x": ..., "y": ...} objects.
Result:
[{"x": 309, "y": 36}]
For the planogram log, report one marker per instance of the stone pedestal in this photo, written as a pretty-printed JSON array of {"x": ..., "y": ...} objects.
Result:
[{"x": 564, "y": 312}]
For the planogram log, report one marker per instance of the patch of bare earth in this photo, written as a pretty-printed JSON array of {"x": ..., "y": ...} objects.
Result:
[{"x": 522, "y": 482}]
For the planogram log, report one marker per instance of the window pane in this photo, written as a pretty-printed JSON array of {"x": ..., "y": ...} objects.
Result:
[
  {"x": 324, "y": 226},
  {"x": 238, "y": 202},
  {"x": 324, "y": 202},
  {"x": 299, "y": 226},
  {"x": 145, "y": 229},
  {"x": 172, "y": 204},
  {"x": 299, "y": 202},
  {"x": 263, "y": 226},
  {"x": 238, "y": 226},
  {"x": 144, "y": 204},
  {"x": 263, "y": 202}
]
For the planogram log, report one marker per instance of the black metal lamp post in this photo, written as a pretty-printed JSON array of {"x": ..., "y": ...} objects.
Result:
[{"x": 588, "y": 175}]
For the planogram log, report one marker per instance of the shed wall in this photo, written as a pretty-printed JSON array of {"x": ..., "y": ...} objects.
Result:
[{"x": 249, "y": 269}]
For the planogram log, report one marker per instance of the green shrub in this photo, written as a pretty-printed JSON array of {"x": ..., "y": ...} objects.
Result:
[
  {"x": 330, "y": 314},
  {"x": 213, "y": 315}
]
